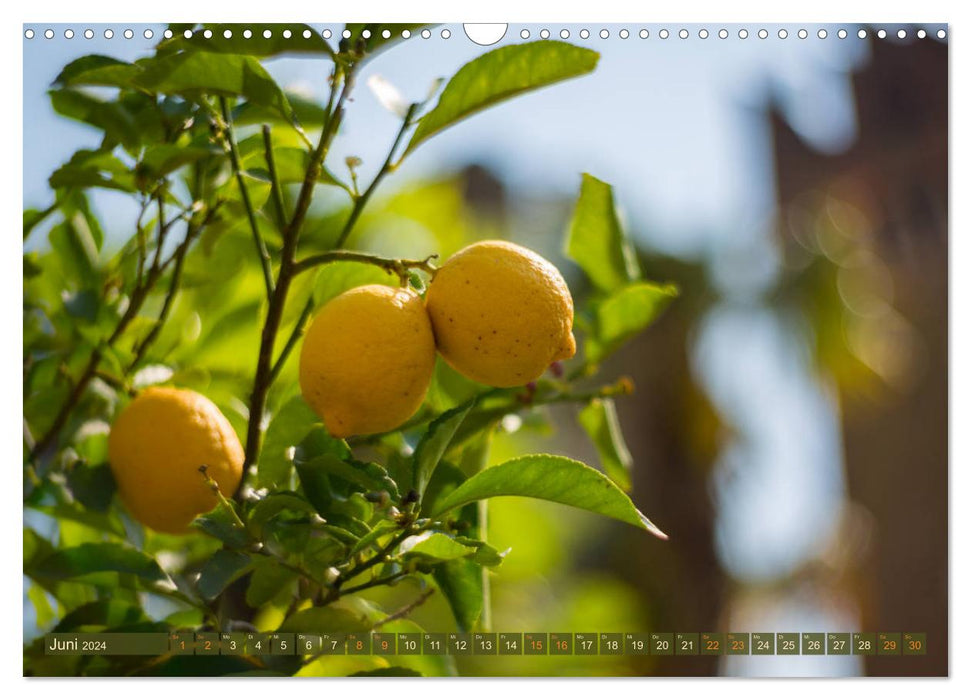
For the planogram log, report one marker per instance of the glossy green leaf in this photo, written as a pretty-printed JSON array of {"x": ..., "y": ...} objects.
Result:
[
  {"x": 267, "y": 581},
  {"x": 596, "y": 241},
  {"x": 93, "y": 487},
  {"x": 101, "y": 613},
  {"x": 433, "y": 444},
  {"x": 98, "y": 70},
  {"x": 460, "y": 581},
  {"x": 222, "y": 569},
  {"x": 308, "y": 112},
  {"x": 550, "y": 478},
  {"x": 499, "y": 75},
  {"x": 220, "y": 523},
  {"x": 110, "y": 117},
  {"x": 434, "y": 546},
  {"x": 288, "y": 427},
  {"x": 345, "y": 615},
  {"x": 232, "y": 75},
  {"x": 96, "y": 557},
  {"x": 624, "y": 314},
  {"x": 599, "y": 420}
]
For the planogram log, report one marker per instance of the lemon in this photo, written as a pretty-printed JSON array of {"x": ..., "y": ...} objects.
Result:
[
  {"x": 501, "y": 313},
  {"x": 155, "y": 449},
  {"x": 367, "y": 360}
]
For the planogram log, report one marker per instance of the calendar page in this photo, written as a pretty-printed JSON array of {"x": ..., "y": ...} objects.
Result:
[{"x": 485, "y": 350}]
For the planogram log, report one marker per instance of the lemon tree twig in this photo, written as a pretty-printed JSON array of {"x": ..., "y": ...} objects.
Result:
[
  {"x": 387, "y": 167},
  {"x": 262, "y": 252},
  {"x": 179, "y": 257},
  {"x": 398, "y": 266},
  {"x": 275, "y": 191},
  {"x": 406, "y": 610},
  {"x": 264, "y": 365},
  {"x": 292, "y": 340}
]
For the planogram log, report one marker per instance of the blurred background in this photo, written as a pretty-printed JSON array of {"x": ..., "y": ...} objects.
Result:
[{"x": 789, "y": 428}]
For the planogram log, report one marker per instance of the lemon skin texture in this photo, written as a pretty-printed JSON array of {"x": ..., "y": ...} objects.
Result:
[
  {"x": 501, "y": 313},
  {"x": 367, "y": 360},
  {"x": 155, "y": 449}
]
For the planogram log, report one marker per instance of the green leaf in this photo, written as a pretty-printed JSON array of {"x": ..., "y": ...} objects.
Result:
[
  {"x": 33, "y": 217},
  {"x": 460, "y": 581},
  {"x": 93, "y": 169},
  {"x": 193, "y": 73},
  {"x": 97, "y": 557},
  {"x": 364, "y": 476},
  {"x": 596, "y": 241},
  {"x": 499, "y": 75},
  {"x": 274, "y": 504},
  {"x": 433, "y": 444},
  {"x": 624, "y": 314},
  {"x": 222, "y": 569},
  {"x": 434, "y": 546},
  {"x": 107, "y": 612},
  {"x": 268, "y": 579},
  {"x": 161, "y": 159},
  {"x": 256, "y": 45},
  {"x": 221, "y": 524},
  {"x": 316, "y": 485},
  {"x": 98, "y": 70},
  {"x": 288, "y": 427},
  {"x": 550, "y": 478},
  {"x": 110, "y": 117},
  {"x": 93, "y": 487},
  {"x": 307, "y": 112},
  {"x": 345, "y": 615},
  {"x": 599, "y": 419}
]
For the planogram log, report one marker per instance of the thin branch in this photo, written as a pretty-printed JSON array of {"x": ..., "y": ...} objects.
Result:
[
  {"x": 179, "y": 257},
  {"x": 397, "y": 266},
  {"x": 388, "y": 166},
  {"x": 264, "y": 364},
  {"x": 163, "y": 228},
  {"x": 234, "y": 158},
  {"x": 406, "y": 610},
  {"x": 292, "y": 340},
  {"x": 373, "y": 583},
  {"x": 275, "y": 191}
]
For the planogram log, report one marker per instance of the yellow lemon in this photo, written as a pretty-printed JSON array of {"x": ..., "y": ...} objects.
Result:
[
  {"x": 501, "y": 313},
  {"x": 155, "y": 449},
  {"x": 367, "y": 360}
]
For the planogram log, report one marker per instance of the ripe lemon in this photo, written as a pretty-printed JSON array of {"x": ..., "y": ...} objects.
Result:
[
  {"x": 155, "y": 449},
  {"x": 501, "y": 313},
  {"x": 367, "y": 360}
]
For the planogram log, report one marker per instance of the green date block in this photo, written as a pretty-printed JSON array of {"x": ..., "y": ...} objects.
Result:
[
  {"x": 182, "y": 643},
  {"x": 283, "y": 643},
  {"x": 738, "y": 643},
  {"x": 257, "y": 644},
  {"x": 485, "y": 644},
  {"x": 384, "y": 643},
  {"x": 888, "y": 644},
  {"x": 787, "y": 643},
  {"x": 684, "y": 643},
  {"x": 359, "y": 644},
  {"x": 333, "y": 644},
  {"x": 409, "y": 643},
  {"x": 914, "y": 644},
  {"x": 712, "y": 643},
  {"x": 611, "y": 644},
  {"x": 207, "y": 643},
  {"x": 637, "y": 644},
  {"x": 232, "y": 643},
  {"x": 813, "y": 643},
  {"x": 459, "y": 644},
  {"x": 864, "y": 643},
  {"x": 763, "y": 643},
  {"x": 308, "y": 644},
  {"x": 838, "y": 643},
  {"x": 433, "y": 644},
  {"x": 536, "y": 643},
  {"x": 561, "y": 643},
  {"x": 585, "y": 644},
  {"x": 510, "y": 643}
]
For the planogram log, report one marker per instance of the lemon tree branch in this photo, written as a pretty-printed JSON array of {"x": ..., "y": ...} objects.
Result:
[
  {"x": 234, "y": 158},
  {"x": 397, "y": 266}
]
